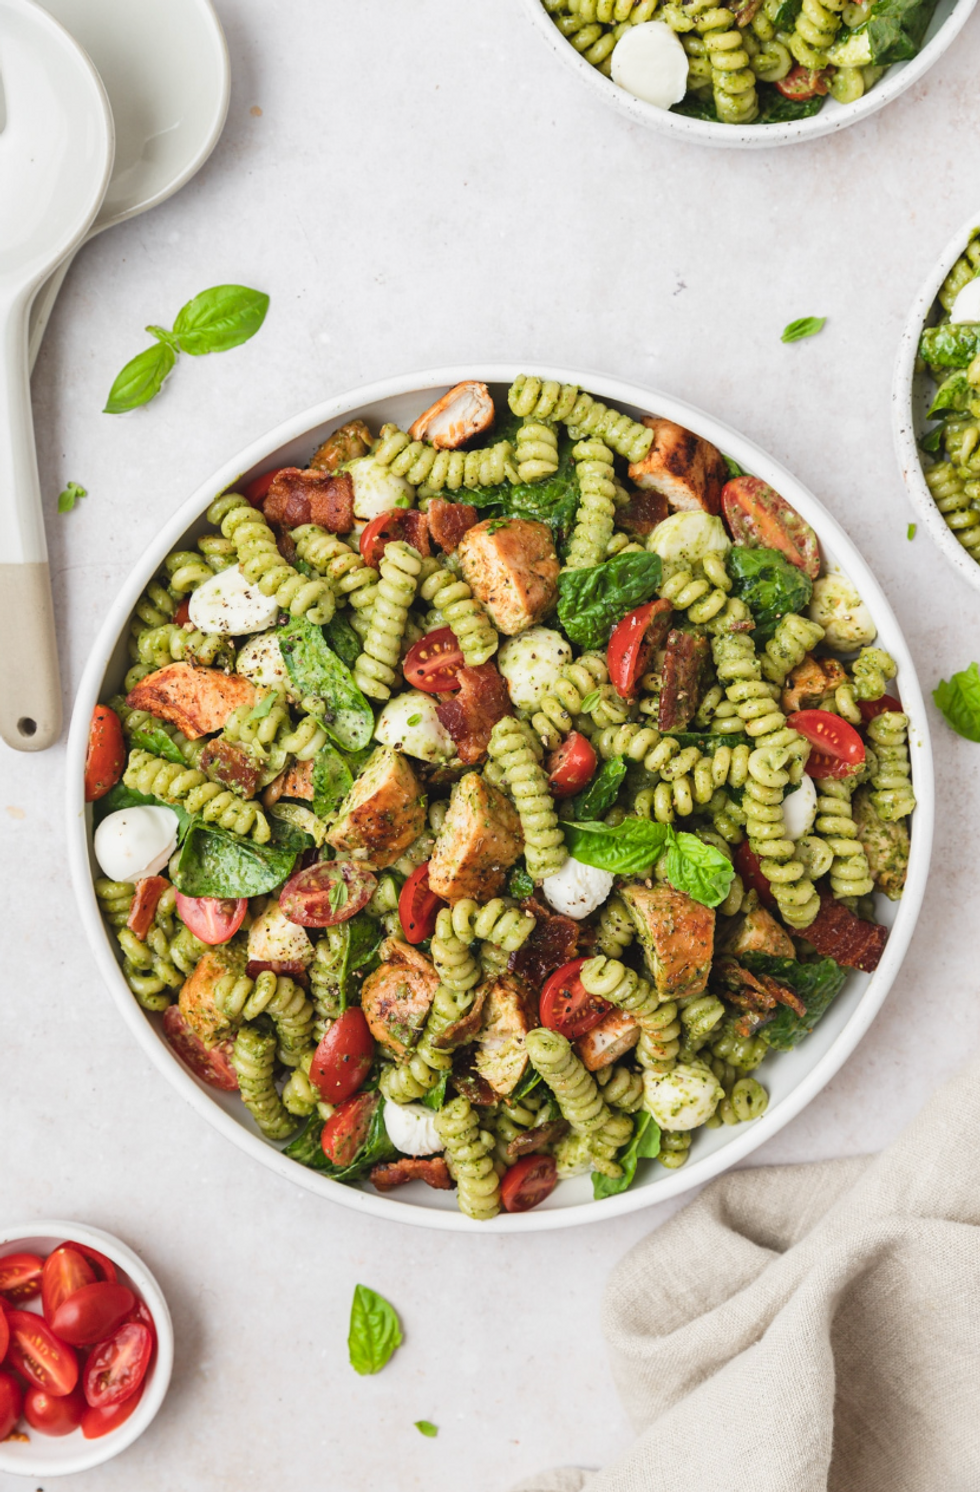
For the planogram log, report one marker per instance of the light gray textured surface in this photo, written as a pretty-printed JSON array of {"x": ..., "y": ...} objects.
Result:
[{"x": 424, "y": 185}]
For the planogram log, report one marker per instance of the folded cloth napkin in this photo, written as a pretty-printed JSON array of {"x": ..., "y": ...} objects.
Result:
[{"x": 809, "y": 1328}]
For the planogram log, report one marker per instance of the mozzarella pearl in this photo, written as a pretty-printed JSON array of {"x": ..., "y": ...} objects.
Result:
[
  {"x": 847, "y": 622},
  {"x": 684, "y": 538},
  {"x": 409, "y": 723},
  {"x": 685, "y": 1098},
  {"x": 272, "y": 938},
  {"x": 412, "y": 1128},
  {"x": 966, "y": 306},
  {"x": 800, "y": 809},
  {"x": 230, "y": 604},
  {"x": 650, "y": 62},
  {"x": 531, "y": 664},
  {"x": 260, "y": 659},
  {"x": 376, "y": 489},
  {"x": 136, "y": 842},
  {"x": 577, "y": 889}
]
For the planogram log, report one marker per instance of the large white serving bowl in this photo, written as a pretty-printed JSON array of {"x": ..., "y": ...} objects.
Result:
[
  {"x": 48, "y": 1455},
  {"x": 793, "y": 1078},
  {"x": 912, "y": 394},
  {"x": 947, "y": 23}
]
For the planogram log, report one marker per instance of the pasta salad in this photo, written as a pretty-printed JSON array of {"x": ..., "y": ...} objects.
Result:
[{"x": 488, "y": 800}]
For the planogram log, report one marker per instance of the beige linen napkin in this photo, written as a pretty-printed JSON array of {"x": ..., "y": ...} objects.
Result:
[{"x": 809, "y": 1328}]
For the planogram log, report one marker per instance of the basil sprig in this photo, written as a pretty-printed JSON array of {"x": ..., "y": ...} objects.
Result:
[
  {"x": 375, "y": 1331},
  {"x": 959, "y": 700},
  {"x": 806, "y": 326},
  {"x": 70, "y": 496},
  {"x": 633, "y": 847},
  {"x": 214, "y": 321}
]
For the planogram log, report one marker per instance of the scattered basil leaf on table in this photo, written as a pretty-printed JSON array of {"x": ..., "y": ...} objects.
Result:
[
  {"x": 769, "y": 585},
  {"x": 326, "y": 683},
  {"x": 375, "y": 1332},
  {"x": 215, "y": 862},
  {"x": 807, "y": 326},
  {"x": 591, "y": 601},
  {"x": 953, "y": 345},
  {"x": 600, "y": 795},
  {"x": 817, "y": 985},
  {"x": 959, "y": 700},
  {"x": 643, "y": 1145},
  {"x": 426, "y": 1427},
  {"x": 141, "y": 379},
  {"x": 911, "y": 531},
  {"x": 71, "y": 495}
]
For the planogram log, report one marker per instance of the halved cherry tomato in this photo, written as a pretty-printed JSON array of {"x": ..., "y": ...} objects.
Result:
[
  {"x": 566, "y": 1006},
  {"x": 418, "y": 907},
  {"x": 38, "y": 1355},
  {"x": 871, "y": 707},
  {"x": 343, "y": 1059},
  {"x": 98, "y": 1422},
  {"x": 633, "y": 642},
  {"x": 4, "y": 1335},
  {"x": 801, "y": 83},
  {"x": 20, "y": 1276},
  {"x": 65, "y": 1271},
  {"x": 528, "y": 1182},
  {"x": 750, "y": 869},
  {"x": 183, "y": 612},
  {"x": 839, "y": 750},
  {"x": 347, "y": 1128},
  {"x": 257, "y": 490},
  {"x": 105, "y": 758},
  {"x": 92, "y": 1313},
  {"x": 571, "y": 765},
  {"x": 11, "y": 1403},
  {"x": 104, "y": 1268},
  {"x": 327, "y": 893},
  {"x": 380, "y": 532},
  {"x": 213, "y": 919},
  {"x": 141, "y": 1312},
  {"x": 117, "y": 1366},
  {"x": 148, "y": 893},
  {"x": 52, "y": 1414},
  {"x": 211, "y": 1064},
  {"x": 433, "y": 662},
  {"x": 758, "y": 517}
]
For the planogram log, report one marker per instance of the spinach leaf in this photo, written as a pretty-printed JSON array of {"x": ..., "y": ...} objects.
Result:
[
  {"x": 343, "y": 639},
  {"x": 896, "y": 29},
  {"x": 155, "y": 739},
  {"x": 698, "y": 869},
  {"x": 952, "y": 345},
  {"x": 768, "y": 584},
  {"x": 554, "y": 501},
  {"x": 332, "y": 781},
  {"x": 326, "y": 684},
  {"x": 215, "y": 862},
  {"x": 352, "y": 945},
  {"x": 436, "y": 1097},
  {"x": 643, "y": 1145},
  {"x": 817, "y": 984},
  {"x": 141, "y": 379},
  {"x": 734, "y": 470},
  {"x": 698, "y": 106},
  {"x": 122, "y": 796},
  {"x": 628, "y": 849},
  {"x": 952, "y": 393},
  {"x": 520, "y": 885},
  {"x": 286, "y": 832},
  {"x": 219, "y": 319},
  {"x": 600, "y": 795},
  {"x": 775, "y": 109},
  {"x": 959, "y": 700},
  {"x": 374, "y": 1331},
  {"x": 591, "y": 601},
  {"x": 932, "y": 440}
]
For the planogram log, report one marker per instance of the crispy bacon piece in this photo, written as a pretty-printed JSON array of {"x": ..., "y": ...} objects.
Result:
[
  {"x": 431, "y": 1169},
  {"x": 643, "y": 512},
  {"x": 296, "y": 782},
  {"x": 809, "y": 681},
  {"x": 448, "y": 522},
  {"x": 837, "y": 933},
  {"x": 746, "y": 11},
  {"x": 232, "y": 766},
  {"x": 533, "y": 1140},
  {"x": 346, "y": 444},
  {"x": 756, "y": 994},
  {"x": 467, "y": 1081},
  {"x": 554, "y": 942},
  {"x": 685, "y": 661},
  {"x": 298, "y": 497},
  {"x": 465, "y": 411},
  {"x": 471, "y": 714},
  {"x": 148, "y": 892}
]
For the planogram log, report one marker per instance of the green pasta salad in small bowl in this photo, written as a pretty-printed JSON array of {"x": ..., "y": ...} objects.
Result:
[{"x": 490, "y": 793}]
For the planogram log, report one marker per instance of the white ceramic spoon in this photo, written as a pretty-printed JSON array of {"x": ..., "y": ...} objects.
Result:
[
  {"x": 56, "y": 152},
  {"x": 165, "y": 67}
]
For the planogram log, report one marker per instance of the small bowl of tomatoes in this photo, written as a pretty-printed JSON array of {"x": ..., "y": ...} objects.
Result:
[{"x": 86, "y": 1348}]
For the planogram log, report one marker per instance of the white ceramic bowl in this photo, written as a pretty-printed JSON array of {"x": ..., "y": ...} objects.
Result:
[
  {"x": 793, "y": 1078},
  {"x": 48, "y": 1455},
  {"x": 912, "y": 394},
  {"x": 947, "y": 23}
]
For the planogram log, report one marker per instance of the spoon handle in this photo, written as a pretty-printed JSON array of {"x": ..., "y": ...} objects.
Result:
[
  {"x": 41, "y": 308},
  {"x": 30, "y": 688}
]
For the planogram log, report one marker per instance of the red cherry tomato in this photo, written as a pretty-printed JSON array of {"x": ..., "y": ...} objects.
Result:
[
  {"x": 418, "y": 907},
  {"x": 104, "y": 1268},
  {"x": 571, "y": 765},
  {"x": 327, "y": 893},
  {"x": 20, "y": 1276},
  {"x": 801, "y": 83},
  {"x": 347, "y": 1128},
  {"x": 148, "y": 893},
  {"x": 54, "y": 1415},
  {"x": 105, "y": 758},
  {"x": 871, "y": 707},
  {"x": 117, "y": 1366},
  {"x": 183, "y": 612},
  {"x": 213, "y": 919},
  {"x": 211, "y": 1064},
  {"x": 749, "y": 868},
  {"x": 98, "y": 1422},
  {"x": 566, "y": 1005},
  {"x": 4, "y": 1336},
  {"x": 141, "y": 1313},
  {"x": 65, "y": 1271},
  {"x": 92, "y": 1313},
  {"x": 257, "y": 490},
  {"x": 528, "y": 1182},
  {"x": 758, "y": 517},
  {"x": 433, "y": 662},
  {"x": 380, "y": 532},
  {"x": 633, "y": 642},
  {"x": 39, "y": 1356},
  {"x": 11, "y": 1403},
  {"x": 838, "y": 749},
  {"x": 343, "y": 1059}
]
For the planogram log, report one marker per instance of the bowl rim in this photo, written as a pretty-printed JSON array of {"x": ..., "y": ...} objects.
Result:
[
  {"x": 904, "y": 421},
  {"x": 899, "y": 77},
  {"x": 95, "y": 1452},
  {"x": 748, "y": 455}
]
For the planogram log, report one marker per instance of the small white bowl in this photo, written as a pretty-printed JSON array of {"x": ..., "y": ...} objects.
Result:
[
  {"x": 793, "y": 1078},
  {"x": 50, "y": 1455},
  {"x": 912, "y": 394},
  {"x": 947, "y": 23}
]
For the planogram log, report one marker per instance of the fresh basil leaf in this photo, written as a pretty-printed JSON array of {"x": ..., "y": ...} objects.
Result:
[
  {"x": 263, "y": 706},
  {"x": 806, "y": 326},
  {"x": 338, "y": 896},
  {"x": 774, "y": 108},
  {"x": 141, "y": 379},
  {"x": 593, "y": 600},
  {"x": 332, "y": 781},
  {"x": 643, "y": 1145},
  {"x": 122, "y": 796},
  {"x": 343, "y": 639},
  {"x": 156, "y": 740},
  {"x": 959, "y": 700},
  {"x": 817, "y": 985},
  {"x": 71, "y": 495},
  {"x": 769, "y": 585},
  {"x": 374, "y": 1331},
  {"x": 952, "y": 393},
  {"x": 628, "y": 849},
  {"x": 528, "y": 1082},
  {"x": 436, "y": 1097},
  {"x": 520, "y": 885},
  {"x": 600, "y": 795},
  {"x": 426, "y": 1427},
  {"x": 897, "y": 28},
  {"x": 932, "y": 440},
  {"x": 698, "y": 869},
  {"x": 215, "y": 862},
  {"x": 220, "y": 318},
  {"x": 952, "y": 345},
  {"x": 162, "y": 335},
  {"x": 326, "y": 683}
]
